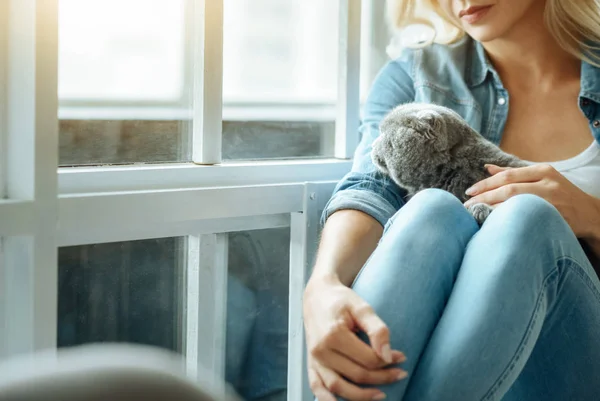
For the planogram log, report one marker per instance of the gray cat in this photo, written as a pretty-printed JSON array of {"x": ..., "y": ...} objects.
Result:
[{"x": 428, "y": 146}]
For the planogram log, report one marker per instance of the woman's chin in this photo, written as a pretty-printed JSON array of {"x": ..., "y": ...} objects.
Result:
[{"x": 484, "y": 33}]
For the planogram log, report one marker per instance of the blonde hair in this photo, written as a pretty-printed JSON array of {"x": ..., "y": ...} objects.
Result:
[{"x": 575, "y": 24}]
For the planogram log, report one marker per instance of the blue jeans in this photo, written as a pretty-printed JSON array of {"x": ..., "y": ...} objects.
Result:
[{"x": 507, "y": 311}]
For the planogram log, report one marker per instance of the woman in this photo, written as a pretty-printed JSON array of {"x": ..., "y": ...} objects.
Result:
[{"x": 511, "y": 309}]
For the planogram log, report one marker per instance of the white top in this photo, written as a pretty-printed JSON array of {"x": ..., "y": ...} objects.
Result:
[{"x": 582, "y": 170}]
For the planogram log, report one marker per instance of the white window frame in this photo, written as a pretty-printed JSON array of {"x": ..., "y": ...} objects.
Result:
[
  {"x": 207, "y": 135},
  {"x": 47, "y": 209},
  {"x": 348, "y": 102},
  {"x": 29, "y": 252},
  {"x": 3, "y": 98}
]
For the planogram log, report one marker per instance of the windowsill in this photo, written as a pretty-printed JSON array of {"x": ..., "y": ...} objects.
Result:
[{"x": 80, "y": 180}]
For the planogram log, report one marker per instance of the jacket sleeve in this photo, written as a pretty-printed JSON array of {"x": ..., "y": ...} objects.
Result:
[{"x": 364, "y": 188}]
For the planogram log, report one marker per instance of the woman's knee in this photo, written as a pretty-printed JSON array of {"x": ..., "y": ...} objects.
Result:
[
  {"x": 434, "y": 214},
  {"x": 523, "y": 230},
  {"x": 435, "y": 204},
  {"x": 436, "y": 198},
  {"x": 427, "y": 238},
  {"x": 529, "y": 214}
]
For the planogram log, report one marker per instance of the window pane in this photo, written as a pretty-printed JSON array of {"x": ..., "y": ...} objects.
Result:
[
  {"x": 122, "y": 292},
  {"x": 92, "y": 142},
  {"x": 122, "y": 81},
  {"x": 257, "y": 314},
  {"x": 280, "y": 78},
  {"x": 244, "y": 140}
]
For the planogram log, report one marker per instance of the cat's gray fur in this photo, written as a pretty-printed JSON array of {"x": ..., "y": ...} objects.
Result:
[{"x": 428, "y": 146}]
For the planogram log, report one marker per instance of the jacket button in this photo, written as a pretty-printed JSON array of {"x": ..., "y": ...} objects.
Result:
[
  {"x": 501, "y": 101},
  {"x": 596, "y": 123}
]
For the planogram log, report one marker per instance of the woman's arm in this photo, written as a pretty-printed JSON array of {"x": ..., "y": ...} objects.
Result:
[
  {"x": 348, "y": 239},
  {"x": 333, "y": 313},
  {"x": 362, "y": 203},
  {"x": 365, "y": 188}
]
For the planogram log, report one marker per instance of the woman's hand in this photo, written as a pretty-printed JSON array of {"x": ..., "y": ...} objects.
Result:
[
  {"x": 333, "y": 313},
  {"x": 580, "y": 210}
]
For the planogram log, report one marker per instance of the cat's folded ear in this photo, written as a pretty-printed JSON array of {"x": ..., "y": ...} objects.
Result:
[
  {"x": 435, "y": 127},
  {"x": 429, "y": 117}
]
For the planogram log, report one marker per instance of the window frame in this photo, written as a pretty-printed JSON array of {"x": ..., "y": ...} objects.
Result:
[
  {"x": 348, "y": 101},
  {"x": 28, "y": 263},
  {"x": 173, "y": 176},
  {"x": 3, "y": 96},
  {"x": 49, "y": 207},
  {"x": 207, "y": 138}
]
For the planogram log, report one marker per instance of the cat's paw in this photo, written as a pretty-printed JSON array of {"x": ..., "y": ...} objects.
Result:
[{"x": 480, "y": 211}]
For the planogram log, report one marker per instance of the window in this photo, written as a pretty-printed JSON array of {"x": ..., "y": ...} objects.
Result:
[
  {"x": 127, "y": 80},
  {"x": 124, "y": 93},
  {"x": 280, "y": 78},
  {"x": 136, "y": 291},
  {"x": 144, "y": 231},
  {"x": 122, "y": 292}
]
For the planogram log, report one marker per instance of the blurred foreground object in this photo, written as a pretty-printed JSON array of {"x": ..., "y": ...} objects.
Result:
[{"x": 106, "y": 372}]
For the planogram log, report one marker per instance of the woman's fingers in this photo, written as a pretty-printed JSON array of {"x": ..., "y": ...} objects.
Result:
[
  {"x": 336, "y": 384},
  {"x": 374, "y": 328},
  {"x": 318, "y": 387},
  {"x": 360, "y": 375},
  {"x": 398, "y": 357},
  {"x": 350, "y": 345},
  {"x": 499, "y": 195},
  {"x": 493, "y": 169},
  {"x": 340, "y": 362},
  {"x": 505, "y": 176}
]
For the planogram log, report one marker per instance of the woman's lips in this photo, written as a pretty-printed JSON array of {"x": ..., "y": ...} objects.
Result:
[{"x": 473, "y": 14}]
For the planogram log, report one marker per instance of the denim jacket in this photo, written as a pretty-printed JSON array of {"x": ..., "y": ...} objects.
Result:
[{"x": 459, "y": 76}]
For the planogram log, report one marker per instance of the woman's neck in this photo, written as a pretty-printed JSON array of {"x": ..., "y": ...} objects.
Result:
[{"x": 530, "y": 56}]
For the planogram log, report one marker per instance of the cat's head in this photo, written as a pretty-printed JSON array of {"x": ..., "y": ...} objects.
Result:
[{"x": 416, "y": 136}]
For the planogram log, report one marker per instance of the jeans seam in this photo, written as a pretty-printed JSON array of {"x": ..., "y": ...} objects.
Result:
[
  {"x": 576, "y": 267},
  {"x": 521, "y": 347}
]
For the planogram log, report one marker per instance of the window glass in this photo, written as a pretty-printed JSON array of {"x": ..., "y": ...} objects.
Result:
[
  {"x": 257, "y": 314},
  {"x": 135, "y": 292},
  {"x": 125, "y": 80},
  {"x": 280, "y": 78},
  {"x": 122, "y": 292},
  {"x": 122, "y": 82}
]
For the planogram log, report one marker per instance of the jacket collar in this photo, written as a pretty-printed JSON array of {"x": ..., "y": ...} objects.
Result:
[
  {"x": 479, "y": 63},
  {"x": 590, "y": 81}
]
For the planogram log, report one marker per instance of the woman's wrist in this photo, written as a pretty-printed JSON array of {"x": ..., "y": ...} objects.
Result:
[
  {"x": 318, "y": 284},
  {"x": 327, "y": 278}
]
